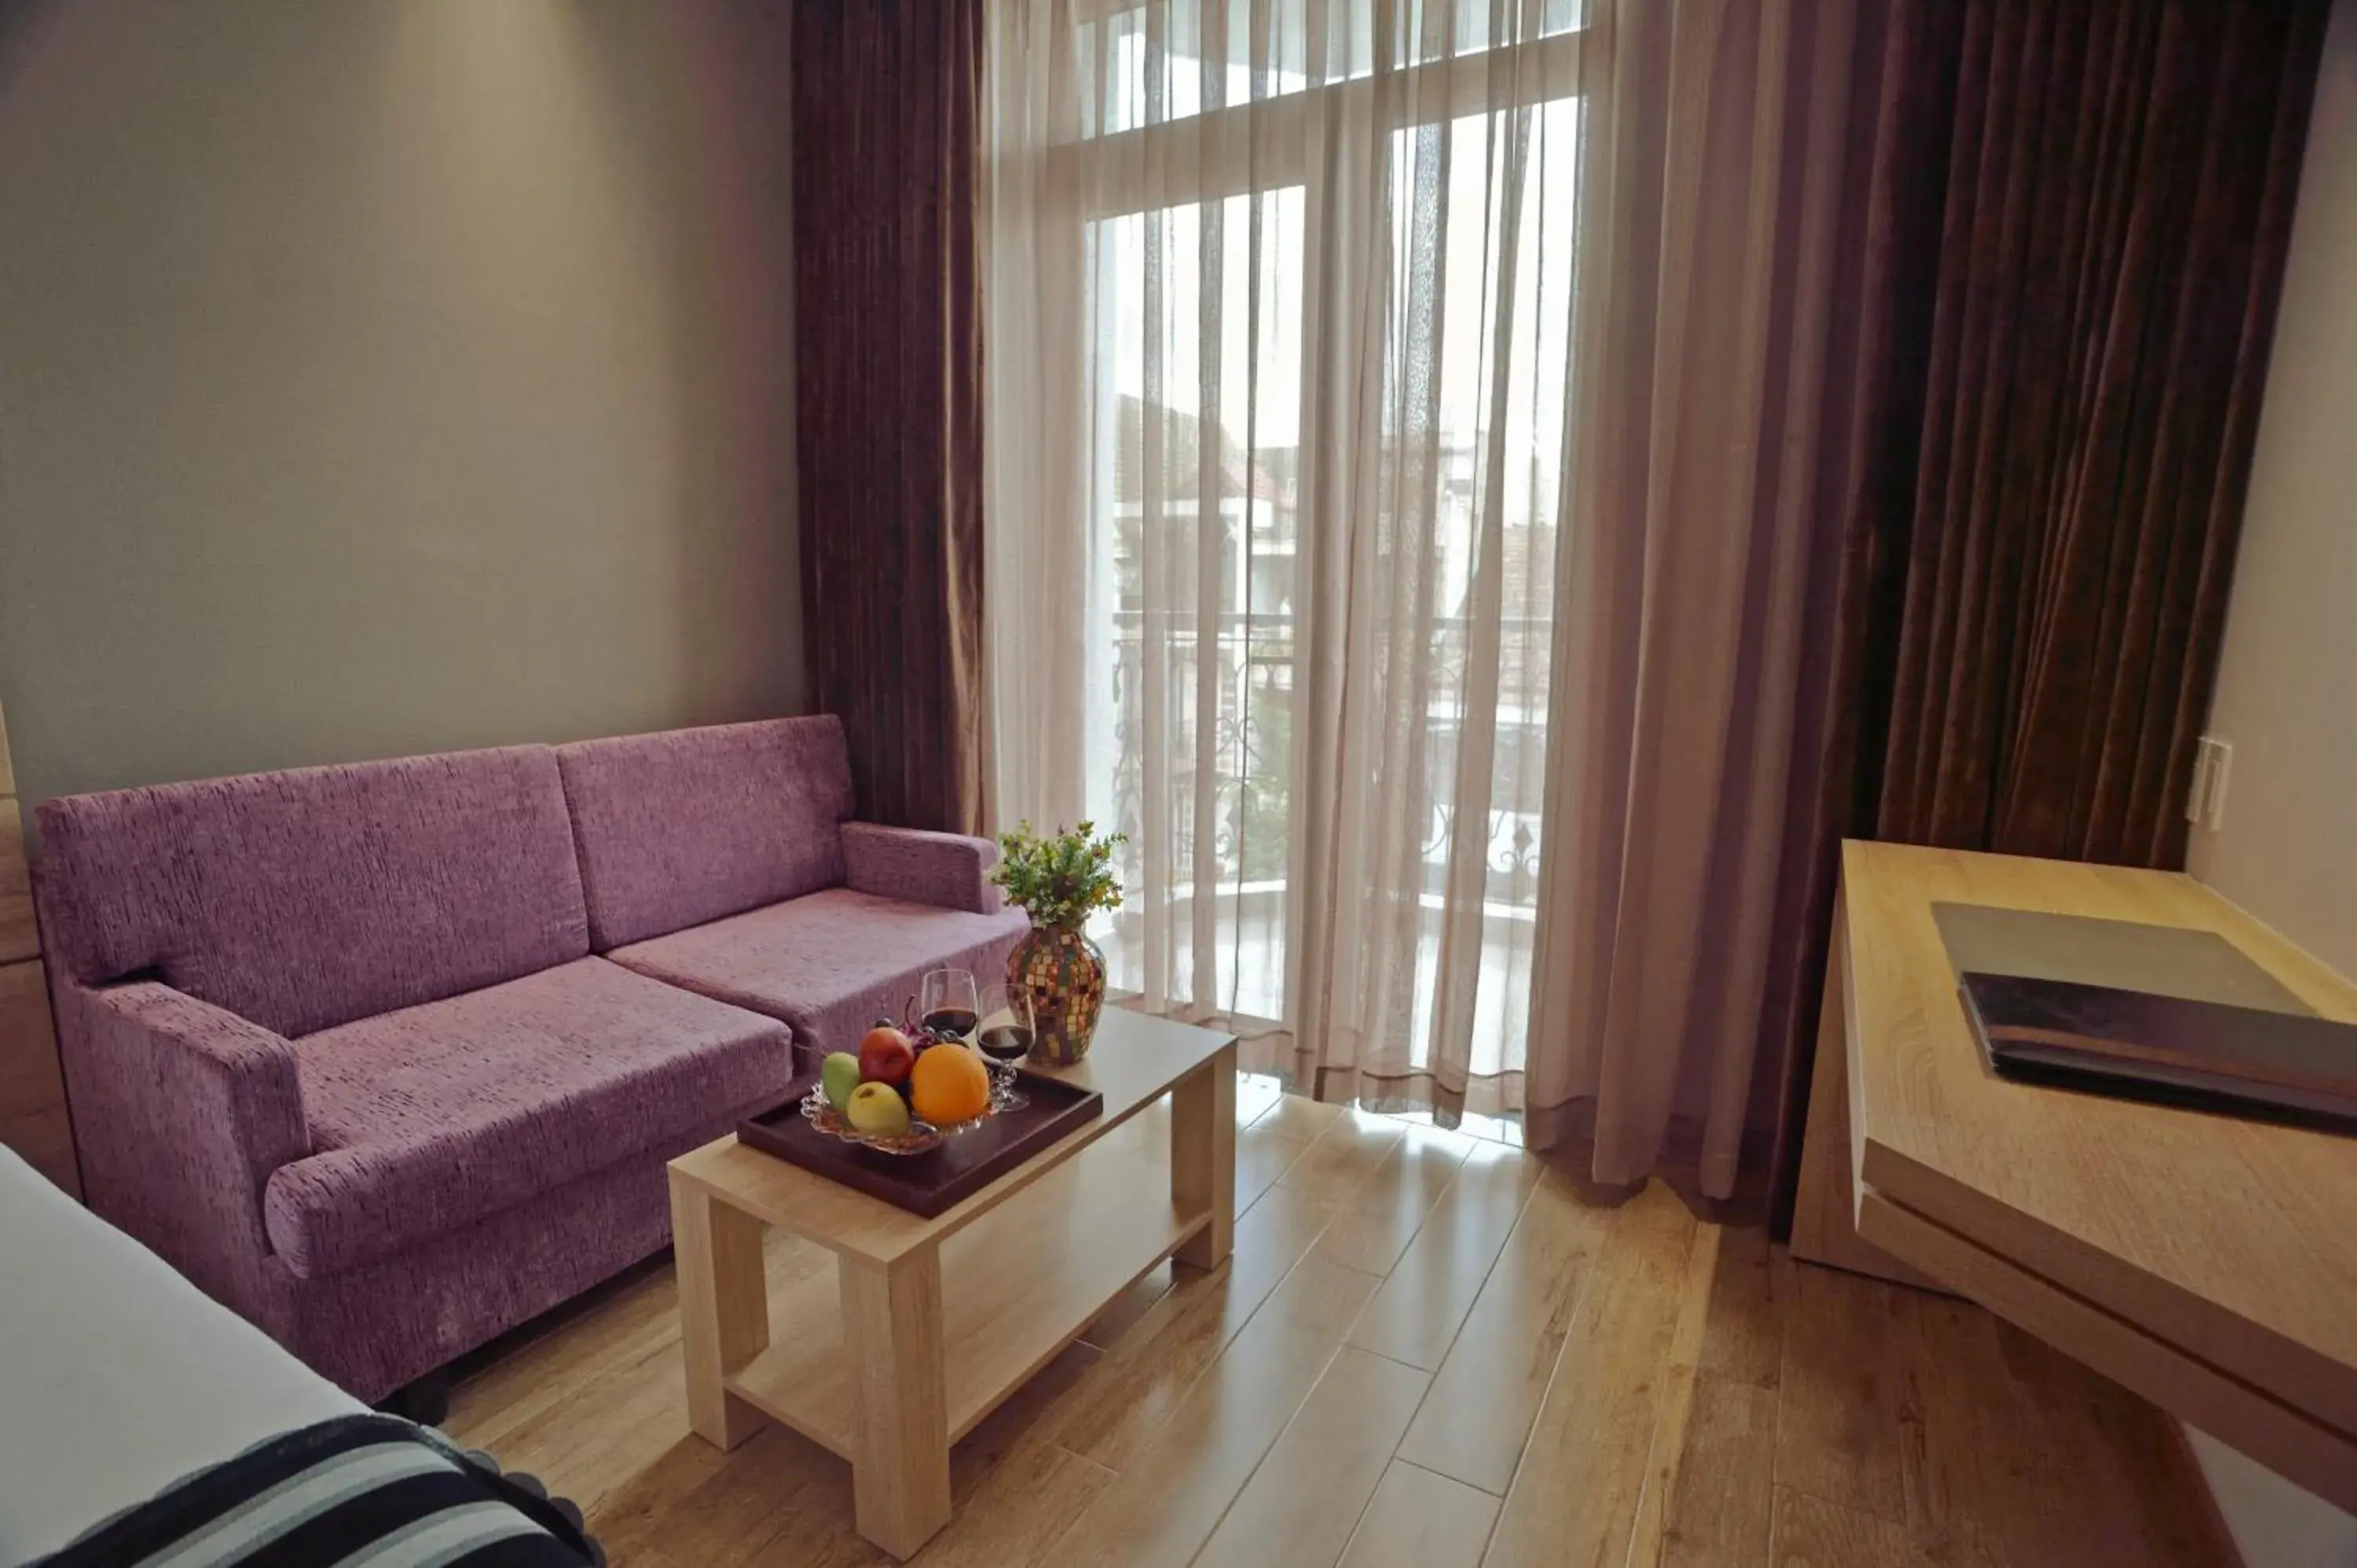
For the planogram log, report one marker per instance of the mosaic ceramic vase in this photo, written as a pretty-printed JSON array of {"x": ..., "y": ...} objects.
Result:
[{"x": 1063, "y": 972}]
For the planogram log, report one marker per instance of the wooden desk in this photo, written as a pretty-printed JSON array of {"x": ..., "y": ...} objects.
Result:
[{"x": 2207, "y": 1263}]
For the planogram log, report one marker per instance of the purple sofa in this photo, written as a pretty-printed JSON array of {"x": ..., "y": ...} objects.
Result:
[{"x": 389, "y": 1057}]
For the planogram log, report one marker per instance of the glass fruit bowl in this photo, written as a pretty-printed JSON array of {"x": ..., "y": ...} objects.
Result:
[{"x": 922, "y": 1136}]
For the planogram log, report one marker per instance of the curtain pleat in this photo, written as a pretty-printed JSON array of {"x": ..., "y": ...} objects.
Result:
[
  {"x": 1704, "y": 321},
  {"x": 888, "y": 349},
  {"x": 2118, "y": 200},
  {"x": 2076, "y": 226}
]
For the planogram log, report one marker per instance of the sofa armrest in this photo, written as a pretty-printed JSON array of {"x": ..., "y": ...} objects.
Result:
[
  {"x": 920, "y": 867},
  {"x": 181, "y": 1111}
]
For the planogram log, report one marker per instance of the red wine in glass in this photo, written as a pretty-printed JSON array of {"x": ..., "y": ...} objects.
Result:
[
  {"x": 1005, "y": 1039},
  {"x": 949, "y": 1007},
  {"x": 1007, "y": 1043}
]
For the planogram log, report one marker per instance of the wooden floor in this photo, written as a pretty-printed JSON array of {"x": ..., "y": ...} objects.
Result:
[{"x": 1426, "y": 1351}]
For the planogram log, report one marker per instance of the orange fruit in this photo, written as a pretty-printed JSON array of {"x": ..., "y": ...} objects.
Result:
[{"x": 948, "y": 1084}]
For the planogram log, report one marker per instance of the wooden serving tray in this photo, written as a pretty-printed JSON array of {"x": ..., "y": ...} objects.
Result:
[{"x": 926, "y": 1184}]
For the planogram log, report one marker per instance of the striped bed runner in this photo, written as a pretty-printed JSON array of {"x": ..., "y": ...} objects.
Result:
[{"x": 360, "y": 1491}]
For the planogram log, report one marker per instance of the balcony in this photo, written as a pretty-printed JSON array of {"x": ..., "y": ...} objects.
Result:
[{"x": 1209, "y": 875}]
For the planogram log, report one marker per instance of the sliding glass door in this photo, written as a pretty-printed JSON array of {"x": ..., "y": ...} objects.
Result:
[
  {"x": 1325, "y": 276},
  {"x": 1195, "y": 375}
]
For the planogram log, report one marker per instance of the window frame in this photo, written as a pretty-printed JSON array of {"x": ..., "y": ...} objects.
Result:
[{"x": 1270, "y": 143}]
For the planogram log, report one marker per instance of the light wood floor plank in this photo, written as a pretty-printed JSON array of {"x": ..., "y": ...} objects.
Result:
[
  {"x": 1425, "y": 1299},
  {"x": 782, "y": 1498},
  {"x": 645, "y": 1556},
  {"x": 1296, "y": 1117},
  {"x": 583, "y": 1350},
  {"x": 1256, "y": 1095},
  {"x": 1303, "y": 1502},
  {"x": 778, "y": 1487},
  {"x": 2149, "y": 1463},
  {"x": 1151, "y": 1367},
  {"x": 1127, "y": 1309},
  {"x": 1027, "y": 1419},
  {"x": 1262, "y": 1157},
  {"x": 1743, "y": 1331},
  {"x": 632, "y": 1517},
  {"x": 1017, "y": 1519},
  {"x": 596, "y": 1442},
  {"x": 1674, "y": 1402},
  {"x": 640, "y": 1317},
  {"x": 1575, "y": 1495},
  {"x": 1814, "y": 1533},
  {"x": 2106, "y": 1465},
  {"x": 1341, "y": 1158},
  {"x": 1972, "y": 1491},
  {"x": 1845, "y": 1360},
  {"x": 1474, "y": 1421},
  {"x": 1421, "y": 1519},
  {"x": 1629, "y": 1379},
  {"x": 1171, "y": 1494},
  {"x": 1384, "y": 1214},
  {"x": 1719, "y": 1490}
]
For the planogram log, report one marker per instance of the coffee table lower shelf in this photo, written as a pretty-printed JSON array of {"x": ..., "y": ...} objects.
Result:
[{"x": 1017, "y": 1285}]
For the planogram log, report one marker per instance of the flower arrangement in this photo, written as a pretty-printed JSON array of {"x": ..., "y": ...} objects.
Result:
[{"x": 1061, "y": 879}]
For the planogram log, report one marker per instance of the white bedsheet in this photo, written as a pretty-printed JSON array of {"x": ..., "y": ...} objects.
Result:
[{"x": 118, "y": 1376}]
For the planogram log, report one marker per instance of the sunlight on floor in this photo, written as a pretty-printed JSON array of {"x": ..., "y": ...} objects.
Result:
[{"x": 1256, "y": 1091}]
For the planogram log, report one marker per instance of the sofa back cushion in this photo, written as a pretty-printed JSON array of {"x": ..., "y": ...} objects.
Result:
[
  {"x": 309, "y": 898},
  {"x": 684, "y": 826}
]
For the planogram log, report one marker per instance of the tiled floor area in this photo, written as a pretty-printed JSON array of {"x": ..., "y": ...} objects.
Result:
[{"x": 1428, "y": 1352}]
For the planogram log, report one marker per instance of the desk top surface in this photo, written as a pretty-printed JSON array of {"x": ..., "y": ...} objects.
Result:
[{"x": 2235, "y": 1239}]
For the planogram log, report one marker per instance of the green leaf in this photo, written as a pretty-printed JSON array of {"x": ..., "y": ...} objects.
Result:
[{"x": 1060, "y": 879}]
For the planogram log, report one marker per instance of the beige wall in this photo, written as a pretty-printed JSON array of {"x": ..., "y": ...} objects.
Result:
[
  {"x": 389, "y": 375},
  {"x": 2287, "y": 846}
]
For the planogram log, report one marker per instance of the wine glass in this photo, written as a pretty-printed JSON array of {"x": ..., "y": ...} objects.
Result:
[
  {"x": 1005, "y": 1038},
  {"x": 947, "y": 1004}
]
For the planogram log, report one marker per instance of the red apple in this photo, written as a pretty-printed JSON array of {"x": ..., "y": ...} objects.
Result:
[{"x": 886, "y": 1056}]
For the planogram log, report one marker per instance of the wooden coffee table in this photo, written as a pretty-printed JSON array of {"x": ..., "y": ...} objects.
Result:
[{"x": 929, "y": 1324}]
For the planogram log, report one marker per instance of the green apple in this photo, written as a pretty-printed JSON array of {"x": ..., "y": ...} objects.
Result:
[
  {"x": 839, "y": 1075},
  {"x": 877, "y": 1109}
]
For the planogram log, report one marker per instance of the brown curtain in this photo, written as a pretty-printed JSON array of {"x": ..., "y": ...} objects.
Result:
[
  {"x": 2069, "y": 251},
  {"x": 887, "y": 360}
]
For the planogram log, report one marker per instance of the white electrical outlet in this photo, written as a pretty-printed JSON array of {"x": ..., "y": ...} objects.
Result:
[{"x": 2205, "y": 802}]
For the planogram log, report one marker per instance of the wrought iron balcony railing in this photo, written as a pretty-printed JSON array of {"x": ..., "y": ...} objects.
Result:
[{"x": 1161, "y": 698}]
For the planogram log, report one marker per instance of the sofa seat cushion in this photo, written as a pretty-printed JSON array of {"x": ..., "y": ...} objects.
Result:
[
  {"x": 432, "y": 1118},
  {"x": 831, "y": 963}
]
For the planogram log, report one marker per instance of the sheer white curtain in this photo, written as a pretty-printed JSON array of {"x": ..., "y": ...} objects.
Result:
[
  {"x": 1707, "y": 465},
  {"x": 1279, "y": 305}
]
